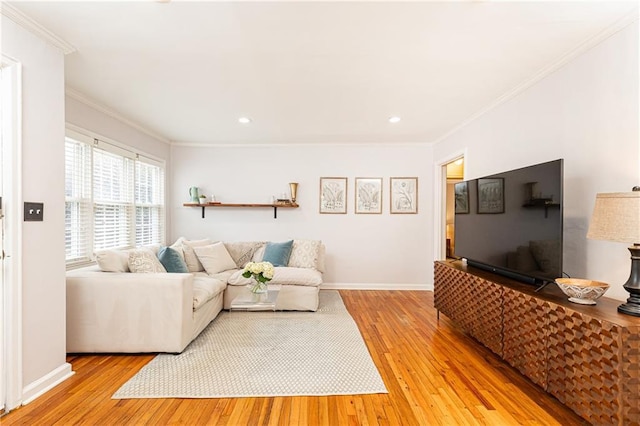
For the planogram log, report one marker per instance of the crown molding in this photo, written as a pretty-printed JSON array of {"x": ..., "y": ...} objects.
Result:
[
  {"x": 34, "y": 27},
  {"x": 583, "y": 47},
  {"x": 297, "y": 144},
  {"x": 80, "y": 97}
]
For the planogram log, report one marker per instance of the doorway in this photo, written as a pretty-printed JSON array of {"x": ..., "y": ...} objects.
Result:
[
  {"x": 454, "y": 174},
  {"x": 10, "y": 235}
]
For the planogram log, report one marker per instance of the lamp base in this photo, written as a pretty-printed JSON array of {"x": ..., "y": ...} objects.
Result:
[{"x": 632, "y": 307}]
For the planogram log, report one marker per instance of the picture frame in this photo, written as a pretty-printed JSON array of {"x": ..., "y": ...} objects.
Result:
[
  {"x": 461, "y": 190},
  {"x": 404, "y": 195},
  {"x": 333, "y": 195},
  {"x": 368, "y": 196},
  {"x": 490, "y": 196}
]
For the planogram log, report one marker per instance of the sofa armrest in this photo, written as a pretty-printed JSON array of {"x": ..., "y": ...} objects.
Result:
[{"x": 127, "y": 312}]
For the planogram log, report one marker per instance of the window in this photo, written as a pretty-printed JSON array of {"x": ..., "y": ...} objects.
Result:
[{"x": 114, "y": 198}]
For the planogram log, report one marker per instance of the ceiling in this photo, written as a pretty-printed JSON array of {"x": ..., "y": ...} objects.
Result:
[{"x": 312, "y": 72}]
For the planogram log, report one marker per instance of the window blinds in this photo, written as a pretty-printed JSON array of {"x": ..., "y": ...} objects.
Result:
[
  {"x": 77, "y": 201},
  {"x": 114, "y": 199}
]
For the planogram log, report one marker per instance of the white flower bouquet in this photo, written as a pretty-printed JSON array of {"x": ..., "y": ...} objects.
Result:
[{"x": 261, "y": 272}]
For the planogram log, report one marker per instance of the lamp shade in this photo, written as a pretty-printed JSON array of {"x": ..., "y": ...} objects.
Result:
[{"x": 616, "y": 217}]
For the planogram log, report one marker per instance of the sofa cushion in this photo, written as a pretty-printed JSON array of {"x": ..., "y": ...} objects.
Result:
[
  {"x": 278, "y": 253},
  {"x": 171, "y": 260},
  {"x": 190, "y": 258},
  {"x": 215, "y": 258},
  {"x": 304, "y": 254},
  {"x": 113, "y": 260},
  {"x": 205, "y": 289},
  {"x": 144, "y": 261},
  {"x": 283, "y": 276}
]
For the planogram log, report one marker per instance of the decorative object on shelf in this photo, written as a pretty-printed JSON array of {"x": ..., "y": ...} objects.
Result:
[
  {"x": 261, "y": 272},
  {"x": 616, "y": 217},
  {"x": 461, "y": 190},
  {"x": 203, "y": 199},
  {"x": 193, "y": 193},
  {"x": 490, "y": 195},
  {"x": 584, "y": 292},
  {"x": 404, "y": 195},
  {"x": 333, "y": 195},
  {"x": 369, "y": 195},
  {"x": 293, "y": 186}
]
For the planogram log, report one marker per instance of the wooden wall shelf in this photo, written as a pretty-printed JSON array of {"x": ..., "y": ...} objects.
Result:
[
  {"x": 586, "y": 356},
  {"x": 275, "y": 206}
]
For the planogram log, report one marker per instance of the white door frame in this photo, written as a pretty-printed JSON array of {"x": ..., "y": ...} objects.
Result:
[
  {"x": 11, "y": 297},
  {"x": 440, "y": 202}
]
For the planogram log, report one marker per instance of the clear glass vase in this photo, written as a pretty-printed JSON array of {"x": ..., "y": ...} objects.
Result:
[{"x": 258, "y": 288}]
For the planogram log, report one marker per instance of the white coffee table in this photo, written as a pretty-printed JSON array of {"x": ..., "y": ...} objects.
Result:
[{"x": 255, "y": 302}]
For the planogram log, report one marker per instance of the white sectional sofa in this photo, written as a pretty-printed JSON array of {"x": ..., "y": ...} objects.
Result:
[{"x": 113, "y": 310}]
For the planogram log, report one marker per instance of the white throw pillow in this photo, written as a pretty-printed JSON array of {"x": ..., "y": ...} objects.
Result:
[
  {"x": 113, "y": 260},
  {"x": 215, "y": 258},
  {"x": 190, "y": 257},
  {"x": 144, "y": 261},
  {"x": 304, "y": 254}
]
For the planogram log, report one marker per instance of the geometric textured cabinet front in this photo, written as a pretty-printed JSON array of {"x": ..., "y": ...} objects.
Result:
[
  {"x": 473, "y": 303},
  {"x": 587, "y": 357},
  {"x": 526, "y": 321},
  {"x": 585, "y": 365}
]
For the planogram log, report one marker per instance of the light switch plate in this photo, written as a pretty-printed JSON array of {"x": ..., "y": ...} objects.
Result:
[{"x": 33, "y": 212}]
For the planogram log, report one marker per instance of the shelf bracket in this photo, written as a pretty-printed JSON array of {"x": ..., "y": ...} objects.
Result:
[
  {"x": 203, "y": 212},
  {"x": 275, "y": 212}
]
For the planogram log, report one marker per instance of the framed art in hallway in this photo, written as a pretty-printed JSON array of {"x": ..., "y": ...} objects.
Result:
[
  {"x": 333, "y": 195},
  {"x": 369, "y": 195},
  {"x": 404, "y": 195}
]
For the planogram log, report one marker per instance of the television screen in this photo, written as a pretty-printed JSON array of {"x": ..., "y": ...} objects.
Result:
[{"x": 511, "y": 222}]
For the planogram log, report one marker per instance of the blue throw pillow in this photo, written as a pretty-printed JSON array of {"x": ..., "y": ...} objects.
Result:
[
  {"x": 278, "y": 253},
  {"x": 171, "y": 260}
]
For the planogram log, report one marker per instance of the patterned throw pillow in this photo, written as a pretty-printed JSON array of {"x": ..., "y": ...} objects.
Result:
[
  {"x": 304, "y": 254},
  {"x": 242, "y": 252},
  {"x": 144, "y": 261}
]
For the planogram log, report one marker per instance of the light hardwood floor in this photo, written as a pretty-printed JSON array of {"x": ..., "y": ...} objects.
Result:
[{"x": 435, "y": 375}]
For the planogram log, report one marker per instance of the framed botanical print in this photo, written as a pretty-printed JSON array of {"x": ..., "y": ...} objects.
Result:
[
  {"x": 404, "y": 195},
  {"x": 369, "y": 195},
  {"x": 333, "y": 195}
]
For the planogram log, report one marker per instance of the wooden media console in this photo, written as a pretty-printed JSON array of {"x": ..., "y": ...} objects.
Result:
[{"x": 587, "y": 356}]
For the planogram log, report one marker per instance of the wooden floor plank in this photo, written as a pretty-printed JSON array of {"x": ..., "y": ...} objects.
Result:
[{"x": 435, "y": 375}]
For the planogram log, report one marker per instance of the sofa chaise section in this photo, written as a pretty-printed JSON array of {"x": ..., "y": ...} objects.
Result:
[{"x": 133, "y": 313}]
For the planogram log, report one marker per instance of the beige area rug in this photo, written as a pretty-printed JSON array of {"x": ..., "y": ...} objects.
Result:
[{"x": 254, "y": 354}]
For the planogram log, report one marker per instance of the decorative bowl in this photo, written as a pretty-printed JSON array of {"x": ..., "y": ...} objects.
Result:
[{"x": 584, "y": 292}]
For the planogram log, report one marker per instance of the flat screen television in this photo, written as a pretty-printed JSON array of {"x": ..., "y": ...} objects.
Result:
[{"x": 511, "y": 223}]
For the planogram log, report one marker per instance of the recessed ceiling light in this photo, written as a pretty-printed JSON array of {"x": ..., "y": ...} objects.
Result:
[
  {"x": 394, "y": 119},
  {"x": 244, "y": 120},
  {"x": 458, "y": 162}
]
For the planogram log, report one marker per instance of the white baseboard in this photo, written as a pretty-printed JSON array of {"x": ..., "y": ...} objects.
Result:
[
  {"x": 375, "y": 286},
  {"x": 47, "y": 382}
]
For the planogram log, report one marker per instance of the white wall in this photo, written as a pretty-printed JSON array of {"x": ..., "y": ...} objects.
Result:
[
  {"x": 586, "y": 113},
  {"x": 362, "y": 250},
  {"x": 43, "y": 285},
  {"x": 88, "y": 118}
]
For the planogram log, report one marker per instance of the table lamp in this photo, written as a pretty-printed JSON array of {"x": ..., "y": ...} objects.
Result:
[{"x": 616, "y": 217}]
